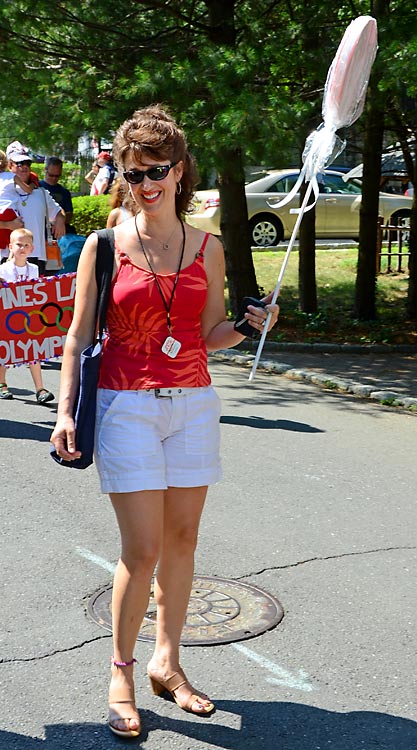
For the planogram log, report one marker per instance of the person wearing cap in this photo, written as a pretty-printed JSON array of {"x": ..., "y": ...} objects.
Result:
[
  {"x": 53, "y": 173},
  {"x": 9, "y": 217},
  {"x": 105, "y": 177},
  {"x": 35, "y": 209}
]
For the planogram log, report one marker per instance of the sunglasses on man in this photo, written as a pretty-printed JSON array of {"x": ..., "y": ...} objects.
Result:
[{"x": 136, "y": 176}]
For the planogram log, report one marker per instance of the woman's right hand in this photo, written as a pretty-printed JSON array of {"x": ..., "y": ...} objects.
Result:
[{"x": 63, "y": 439}]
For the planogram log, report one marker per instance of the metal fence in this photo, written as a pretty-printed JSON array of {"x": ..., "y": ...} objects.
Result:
[{"x": 393, "y": 245}]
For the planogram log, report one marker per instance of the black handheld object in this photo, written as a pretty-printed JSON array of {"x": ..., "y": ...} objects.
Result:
[{"x": 242, "y": 325}]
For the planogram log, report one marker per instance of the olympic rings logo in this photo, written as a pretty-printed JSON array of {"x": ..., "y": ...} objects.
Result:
[{"x": 43, "y": 319}]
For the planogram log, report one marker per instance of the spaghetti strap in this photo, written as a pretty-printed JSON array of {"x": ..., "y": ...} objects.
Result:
[{"x": 203, "y": 245}]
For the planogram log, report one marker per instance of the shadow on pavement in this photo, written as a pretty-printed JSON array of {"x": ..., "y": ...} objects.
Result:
[
  {"x": 51, "y": 364},
  {"x": 260, "y": 726},
  {"x": 261, "y": 423},
  {"x": 26, "y": 430},
  {"x": 295, "y": 726}
]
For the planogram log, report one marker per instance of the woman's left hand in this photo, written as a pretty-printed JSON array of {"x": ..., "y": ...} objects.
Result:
[{"x": 257, "y": 316}]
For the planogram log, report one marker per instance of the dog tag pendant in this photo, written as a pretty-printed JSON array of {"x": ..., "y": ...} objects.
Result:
[{"x": 171, "y": 347}]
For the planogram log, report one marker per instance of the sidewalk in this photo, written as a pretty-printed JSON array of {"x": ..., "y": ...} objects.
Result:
[{"x": 385, "y": 374}]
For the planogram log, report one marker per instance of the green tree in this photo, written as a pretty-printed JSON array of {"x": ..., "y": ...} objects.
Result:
[
  {"x": 218, "y": 64},
  {"x": 101, "y": 62},
  {"x": 245, "y": 79},
  {"x": 385, "y": 112},
  {"x": 401, "y": 117},
  {"x": 365, "y": 288}
]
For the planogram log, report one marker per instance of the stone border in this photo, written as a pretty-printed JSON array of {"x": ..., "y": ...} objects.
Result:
[
  {"x": 330, "y": 348},
  {"x": 322, "y": 379}
]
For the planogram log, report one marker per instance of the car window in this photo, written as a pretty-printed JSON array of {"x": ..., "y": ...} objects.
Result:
[
  {"x": 334, "y": 184},
  {"x": 255, "y": 176},
  {"x": 283, "y": 185}
]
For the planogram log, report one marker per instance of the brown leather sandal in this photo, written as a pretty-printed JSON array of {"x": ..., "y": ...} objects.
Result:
[
  {"x": 122, "y": 695},
  {"x": 159, "y": 687}
]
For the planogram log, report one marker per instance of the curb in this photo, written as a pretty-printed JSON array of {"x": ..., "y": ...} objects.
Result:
[
  {"x": 328, "y": 348},
  {"x": 323, "y": 380}
]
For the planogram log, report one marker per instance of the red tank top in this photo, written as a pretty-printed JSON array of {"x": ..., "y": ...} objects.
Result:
[{"x": 137, "y": 328}]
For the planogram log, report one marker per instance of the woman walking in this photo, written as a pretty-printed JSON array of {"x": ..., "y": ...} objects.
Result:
[{"x": 157, "y": 432}]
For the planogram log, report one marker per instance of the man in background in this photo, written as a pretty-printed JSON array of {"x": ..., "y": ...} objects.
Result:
[
  {"x": 53, "y": 173},
  {"x": 35, "y": 209}
]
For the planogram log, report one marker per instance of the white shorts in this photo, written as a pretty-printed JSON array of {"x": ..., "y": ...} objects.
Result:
[{"x": 147, "y": 443}]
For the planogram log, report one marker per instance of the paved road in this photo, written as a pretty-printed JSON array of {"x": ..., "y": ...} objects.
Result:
[{"x": 317, "y": 507}]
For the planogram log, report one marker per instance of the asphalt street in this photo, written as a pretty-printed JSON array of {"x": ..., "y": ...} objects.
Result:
[{"x": 316, "y": 508}]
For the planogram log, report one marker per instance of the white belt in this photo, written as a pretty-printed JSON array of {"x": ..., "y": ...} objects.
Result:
[{"x": 173, "y": 392}]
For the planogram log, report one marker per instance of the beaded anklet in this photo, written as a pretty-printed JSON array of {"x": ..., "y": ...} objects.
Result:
[{"x": 122, "y": 663}]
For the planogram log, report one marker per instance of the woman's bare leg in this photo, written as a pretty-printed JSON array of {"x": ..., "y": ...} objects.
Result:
[
  {"x": 140, "y": 519},
  {"x": 182, "y": 513}
]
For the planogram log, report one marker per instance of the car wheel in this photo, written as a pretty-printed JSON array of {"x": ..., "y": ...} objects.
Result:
[{"x": 265, "y": 230}]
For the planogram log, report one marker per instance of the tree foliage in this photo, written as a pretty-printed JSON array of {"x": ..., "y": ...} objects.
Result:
[
  {"x": 399, "y": 84},
  {"x": 245, "y": 79},
  {"x": 218, "y": 65},
  {"x": 385, "y": 113}
]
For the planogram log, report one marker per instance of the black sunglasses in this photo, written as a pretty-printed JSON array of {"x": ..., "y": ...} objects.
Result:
[{"x": 136, "y": 176}]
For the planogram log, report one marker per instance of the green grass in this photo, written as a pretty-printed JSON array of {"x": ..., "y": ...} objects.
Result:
[{"x": 334, "y": 322}]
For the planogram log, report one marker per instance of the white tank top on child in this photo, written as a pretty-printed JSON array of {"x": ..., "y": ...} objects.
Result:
[{"x": 9, "y": 271}]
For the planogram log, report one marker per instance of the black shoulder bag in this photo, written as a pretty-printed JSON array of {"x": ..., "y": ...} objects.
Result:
[{"x": 85, "y": 403}]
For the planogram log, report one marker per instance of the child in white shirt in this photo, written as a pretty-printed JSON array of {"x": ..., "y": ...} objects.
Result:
[{"x": 17, "y": 269}]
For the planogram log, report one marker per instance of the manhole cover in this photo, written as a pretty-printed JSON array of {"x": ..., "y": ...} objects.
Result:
[{"x": 220, "y": 611}]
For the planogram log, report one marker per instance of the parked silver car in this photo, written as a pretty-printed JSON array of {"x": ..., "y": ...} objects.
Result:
[{"x": 337, "y": 208}]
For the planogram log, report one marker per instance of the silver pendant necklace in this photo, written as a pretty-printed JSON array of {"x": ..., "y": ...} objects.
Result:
[{"x": 165, "y": 245}]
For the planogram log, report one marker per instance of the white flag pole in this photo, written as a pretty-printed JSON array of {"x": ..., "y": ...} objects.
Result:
[
  {"x": 301, "y": 212},
  {"x": 343, "y": 102}
]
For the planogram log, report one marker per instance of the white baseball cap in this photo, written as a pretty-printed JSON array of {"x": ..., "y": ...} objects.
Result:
[{"x": 17, "y": 152}]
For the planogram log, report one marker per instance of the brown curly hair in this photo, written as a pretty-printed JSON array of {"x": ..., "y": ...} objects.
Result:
[{"x": 154, "y": 132}]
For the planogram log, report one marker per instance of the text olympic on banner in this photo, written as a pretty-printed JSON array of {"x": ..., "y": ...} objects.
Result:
[{"x": 34, "y": 318}]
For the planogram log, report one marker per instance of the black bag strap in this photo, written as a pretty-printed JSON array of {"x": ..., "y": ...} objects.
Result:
[{"x": 104, "y": 275}]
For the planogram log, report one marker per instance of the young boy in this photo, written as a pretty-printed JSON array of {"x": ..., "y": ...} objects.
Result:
[{"x": 16, "y": 269}]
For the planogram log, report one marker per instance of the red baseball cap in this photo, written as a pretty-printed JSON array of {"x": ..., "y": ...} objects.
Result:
[{"x": 104, "y": 155}]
